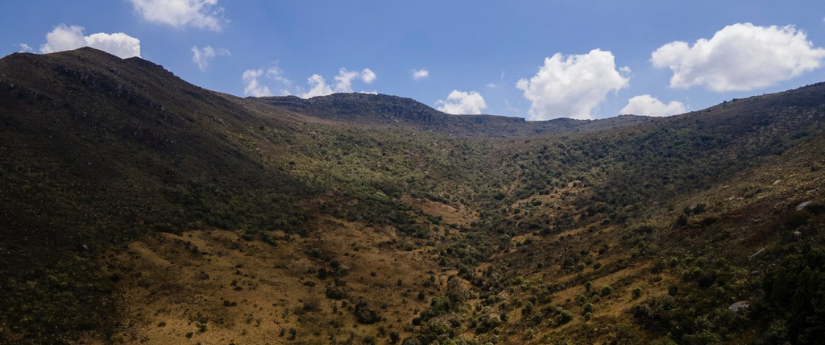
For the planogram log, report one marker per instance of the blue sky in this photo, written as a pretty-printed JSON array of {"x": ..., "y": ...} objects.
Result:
[{"x": 532, "y": 59}]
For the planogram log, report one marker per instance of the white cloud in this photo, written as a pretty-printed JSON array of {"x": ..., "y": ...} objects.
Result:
[
  {"x": 344, "y": 79},
  {"x": 318, "y": 87},
  {"x": 572, "y": 86},
  {"x": 343, "y": 83},
  {"x": 650, "y": 106},
  {"x": 25, "y": 48},
  {"x": 252, "y": 86},
  {"x": 419, "y": 74},
  {"x": 201, "y": 56},
  {"x": 460, "y": 102},
  {"x": 71, "y": 37},
  {"x": 368, "y": 76},
  {"x": 739, "y": 57},
  {"x": 203, "y": 14},
  {"x": 278, "y": 75},
  {"x": 255, "y": 82},
  {"x": 64, "y": 38}
]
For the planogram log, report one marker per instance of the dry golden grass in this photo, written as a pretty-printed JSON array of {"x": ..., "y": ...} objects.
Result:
[
  {"x": 460, "y": 216},
  {"x": 217, "y": 287}
]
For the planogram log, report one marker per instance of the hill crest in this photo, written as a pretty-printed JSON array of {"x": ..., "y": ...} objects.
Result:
[{"x": 395, "y": 111}]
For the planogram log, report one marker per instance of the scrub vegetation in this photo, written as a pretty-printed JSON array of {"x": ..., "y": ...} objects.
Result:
[{"x": 137, "y": 208}]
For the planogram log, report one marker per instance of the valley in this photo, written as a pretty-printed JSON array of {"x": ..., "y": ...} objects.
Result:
[{"x": 137, "y": 208}]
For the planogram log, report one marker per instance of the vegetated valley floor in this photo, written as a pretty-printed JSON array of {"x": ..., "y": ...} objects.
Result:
[{"x": 139, "y": 209}]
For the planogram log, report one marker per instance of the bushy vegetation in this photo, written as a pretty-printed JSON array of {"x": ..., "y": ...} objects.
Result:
[
  {"x": 539, "y": 236},
  {"x": 795, "y": 294}
]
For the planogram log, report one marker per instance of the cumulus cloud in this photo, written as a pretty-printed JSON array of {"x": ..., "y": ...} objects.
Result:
[
  {"x": 201, "y": 56},
  {"x": 71, "y": 37},
  {"x": 572, "y": 86},
  {"x": 344, "y": 79},
  {"x": 203, "y": 14},
  {"x": 460, "y": 102},
  {"x": 740, "y": 57},
  {"x": 651, "y": 106},
  {"x": 255, "y": 82},
  {"x": 343, "y": 83},
  {"x": 419, "y": 74},
  {"x": 278, "y": 75},
  {"x": 25, "y": 48},
  {"x": 317, "y": 87},
  {"x": 255, "y": 88},
  {"x": 368, "y": 76}
]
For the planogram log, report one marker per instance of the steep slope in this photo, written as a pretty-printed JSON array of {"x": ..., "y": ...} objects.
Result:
[
  {"x": 137, "y": 208},
  {"x": 103, "y": 152},
  {"x": 97, "y": 150}
]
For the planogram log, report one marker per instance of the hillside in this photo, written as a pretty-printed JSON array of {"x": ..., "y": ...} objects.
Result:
[
  {"x": 138, "y": 208},
  {"x": 385, "y": 110}
]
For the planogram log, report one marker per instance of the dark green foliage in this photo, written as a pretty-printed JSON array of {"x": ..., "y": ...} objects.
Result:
[
  {"x": 636, "y": 292},
  {"x": 795, "y": 291},
  {"x": 487, "y": 323},
  {"x": 365, "y": 314},
  {"x": 607, "y": 290},
  {"x": 564, "y": 317},
  {"x": 587, "y": 307}
]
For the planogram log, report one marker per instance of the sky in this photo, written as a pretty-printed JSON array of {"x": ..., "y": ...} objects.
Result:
[{"x": 527, "y": 58}]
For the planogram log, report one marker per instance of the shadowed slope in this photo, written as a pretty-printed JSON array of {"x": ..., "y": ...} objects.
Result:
[{"x": 97, "y": 150}]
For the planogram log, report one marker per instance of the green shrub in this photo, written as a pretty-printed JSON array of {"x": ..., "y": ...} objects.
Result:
[
  {"x": 795, "y": 292},
  {"x": 366, "y": 315},
  {"x": 607, "y": 290},
  {"x": 636, "y": 292},
  {"x": 564, "y": 317}
]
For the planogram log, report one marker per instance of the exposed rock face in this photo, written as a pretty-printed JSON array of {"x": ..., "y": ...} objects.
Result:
[{"x": 740, "y": 306}]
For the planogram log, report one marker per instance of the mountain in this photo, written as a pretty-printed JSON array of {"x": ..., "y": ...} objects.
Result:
[
  {"x": 388, "y": 110},
  {"x": 138, "y": 208}
]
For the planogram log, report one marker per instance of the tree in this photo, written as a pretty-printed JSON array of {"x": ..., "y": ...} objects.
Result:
[{"x": 795, "y": 291}]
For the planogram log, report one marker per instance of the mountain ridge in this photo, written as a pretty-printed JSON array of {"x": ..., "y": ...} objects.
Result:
[
  {"x": 138, "y": 208},
  {"x": 390, "y": 110}
]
